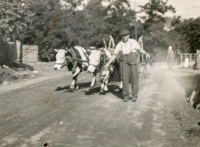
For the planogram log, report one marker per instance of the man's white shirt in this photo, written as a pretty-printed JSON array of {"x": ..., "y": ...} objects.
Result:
[{"x": 127, "y": 47}]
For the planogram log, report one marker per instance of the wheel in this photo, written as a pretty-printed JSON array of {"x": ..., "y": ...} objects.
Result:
[
  {"x": 145, "y": 72},
  {"x": 139, "y": 69},
  {"x": 151, "y": 64}
]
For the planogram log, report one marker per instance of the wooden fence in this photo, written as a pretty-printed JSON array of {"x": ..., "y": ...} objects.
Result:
[
  {"x": 11, "y": 52},
  {"x": 29, "y": 53},
  {"x": 190, "y": 56},
  {"x": 8, "y": 53}
]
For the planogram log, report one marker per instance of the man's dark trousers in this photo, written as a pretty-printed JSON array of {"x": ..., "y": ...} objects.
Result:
[{"x": 130, "y": 73}]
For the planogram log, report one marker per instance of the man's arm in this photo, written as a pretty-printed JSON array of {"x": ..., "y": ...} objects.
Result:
[
  {"x": 112, "y": 59},
  {"x": 144, "y": 52},
  {"x": 139, "y": 46},
  {"x": 141, "y": 50}
]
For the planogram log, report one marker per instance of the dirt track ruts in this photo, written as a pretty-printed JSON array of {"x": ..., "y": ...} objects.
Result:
[{"x": 46, "y": 113}]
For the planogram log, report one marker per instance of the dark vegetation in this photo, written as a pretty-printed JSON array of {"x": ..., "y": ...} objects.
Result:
[
  {"x": 16, "y": 72},
  {"x": 50, "y": 24}
]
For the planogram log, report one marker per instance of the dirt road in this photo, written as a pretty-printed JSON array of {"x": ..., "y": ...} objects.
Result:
[{"x": 46, "y": 113}]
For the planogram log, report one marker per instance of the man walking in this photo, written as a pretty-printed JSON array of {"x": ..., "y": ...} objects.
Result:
[{"x": 128, "y": 47}]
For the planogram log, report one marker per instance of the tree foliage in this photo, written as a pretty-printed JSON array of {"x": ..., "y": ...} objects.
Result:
[
  {"x": 190, "y": 31},
  {"x": 64, "y": 23},
  {"x": 157, "y": 37},
  {"x": 15, "y": 15},
  {"x": 155, "y": 12}
]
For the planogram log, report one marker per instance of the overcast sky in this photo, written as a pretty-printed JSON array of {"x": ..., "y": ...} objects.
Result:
[{"x": 184, "y": 8}]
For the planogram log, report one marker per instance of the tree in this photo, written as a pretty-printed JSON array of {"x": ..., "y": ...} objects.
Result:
[
  {"x": 190, "y": 30},
  {"x": 96, "y": 21},
  {"x": 119, "y": 16},
  {"x": 15, "y": 16},
  {"x": 155, "y": 11},
  {"x": 156, "y": 37},
  {"x": 45, "y": 29}
]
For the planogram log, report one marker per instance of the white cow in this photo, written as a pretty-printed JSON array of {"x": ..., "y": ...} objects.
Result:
[{"x": 78, "y": 59}]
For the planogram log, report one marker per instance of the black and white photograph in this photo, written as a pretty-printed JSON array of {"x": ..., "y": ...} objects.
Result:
[{"x": 99, "y": 73}]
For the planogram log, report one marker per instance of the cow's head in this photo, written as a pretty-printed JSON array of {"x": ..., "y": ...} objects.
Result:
[
  {"x": 98, "y": 57},
  {"x": 94, "y": 60},
  {"x": 61, "y": 57}
]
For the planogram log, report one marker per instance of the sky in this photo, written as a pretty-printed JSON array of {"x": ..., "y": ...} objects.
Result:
[{"x": 184, "y": 8}]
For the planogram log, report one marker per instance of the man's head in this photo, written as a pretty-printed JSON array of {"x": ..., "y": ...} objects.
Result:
[{"x": 125, "y": 34}]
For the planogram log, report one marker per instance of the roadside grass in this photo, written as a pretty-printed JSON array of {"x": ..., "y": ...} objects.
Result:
[{"x": 23, "y": 71}]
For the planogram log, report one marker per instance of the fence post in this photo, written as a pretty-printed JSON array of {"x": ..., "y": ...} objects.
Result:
[
  {"x": 18, "y": 46},
  {"x": 190, "y": 57},
  {"x": 21, "y": 54}
]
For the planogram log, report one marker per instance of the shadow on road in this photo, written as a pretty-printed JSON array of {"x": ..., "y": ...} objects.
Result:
[
  {"x": 189, "y": 83},
  {"x": 81, "y": 86},
  {"x": 112, "y": 88},
  {"x": 84, "y": 87},
  {"x": 66, "y": 88},
  {"x": 61, "y": 88}
]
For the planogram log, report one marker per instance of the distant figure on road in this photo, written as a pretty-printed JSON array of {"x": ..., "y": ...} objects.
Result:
[{"x": 170, "y": 57}]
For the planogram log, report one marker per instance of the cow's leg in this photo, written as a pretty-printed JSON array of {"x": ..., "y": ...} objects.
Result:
[
  {"x": 74, "y": 77},
  {"x": 76, "y": 84},
  {"x": 72, "y": 85},
  {"x": 120, "y": 86},
  {"x": 107, "y": 76},
  {"x": 104, "y": 82},
  {"x": 102, "y": 89},
  {"x": 93, "y": 80},
  {"x": 106, "y": 87}
]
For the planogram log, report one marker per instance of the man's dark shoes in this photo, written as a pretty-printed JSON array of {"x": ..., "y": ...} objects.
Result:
[
  {"x": 126, "y": 99},
  {"x": 134, "y": 99}
]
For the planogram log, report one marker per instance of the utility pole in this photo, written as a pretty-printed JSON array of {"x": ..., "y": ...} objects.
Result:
[
  {"x": 135, "y": 27},
  {"x": 135, "y": 21}
]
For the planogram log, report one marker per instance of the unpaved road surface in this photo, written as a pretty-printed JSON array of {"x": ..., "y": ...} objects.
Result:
[{"x": 46, "y": 114}]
